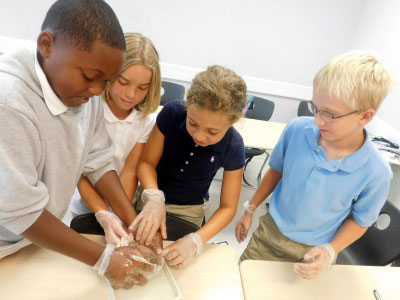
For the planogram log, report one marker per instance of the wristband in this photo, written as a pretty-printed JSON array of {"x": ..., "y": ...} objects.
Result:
[
  {"x": 104, "y": 260},
  {"x": 198, "y": 242},
  {"x": 250, "y": 208},
  {"x": 331, "y": 251},
  {"x": 152, "y": 192}
]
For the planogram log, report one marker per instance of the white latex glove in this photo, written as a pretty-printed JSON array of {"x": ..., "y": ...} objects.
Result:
[
  {"x": 113, "y": 227},
  {"x": 320, "y": 258},
  {"x": 120, "y": 267},
  {"x": 244, "y": 223},
  {"x": 183, "y": 250},
  {"x": 151, "y": 218}
]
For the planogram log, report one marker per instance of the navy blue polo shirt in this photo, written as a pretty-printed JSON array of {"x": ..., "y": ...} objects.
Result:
[{"x": 186, "y": 170}]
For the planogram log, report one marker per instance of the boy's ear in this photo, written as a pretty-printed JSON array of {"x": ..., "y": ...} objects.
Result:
[
  {"x": 367, "y": 116},
  {"x": 45, "y": 43}
]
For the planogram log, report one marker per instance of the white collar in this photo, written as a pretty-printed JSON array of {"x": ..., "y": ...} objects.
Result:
[
  {"x": 54, "y": 104},
  {"x": 111, "y": 118}
]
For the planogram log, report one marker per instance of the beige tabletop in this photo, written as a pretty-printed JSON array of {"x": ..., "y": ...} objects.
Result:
[
  {"x": 277, "y": 280},
  {"x": 37, "y": 273},
  {"x": 259, "y": 134}
]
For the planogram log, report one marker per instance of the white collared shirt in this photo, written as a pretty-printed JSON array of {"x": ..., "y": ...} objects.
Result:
[
  {"x": 54, "y": 104},
  {"x": 126, "y": 133}
]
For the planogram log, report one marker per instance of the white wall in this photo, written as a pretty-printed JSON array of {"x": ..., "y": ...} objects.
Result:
[
  {"x": 247, "y": 36},
  {"x": 277, "y": 46},
  {"x": 379, "y": 30}
]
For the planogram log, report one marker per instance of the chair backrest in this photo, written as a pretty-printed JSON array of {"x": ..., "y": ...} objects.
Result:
[
  {"x": 377, "y": 247},
  {"x": 303, "y": 109},
  {"x": 176, "y": 228},
  {"x": 86, "y": 223},
  {"x": 260, "y": 109},
  {"x": 172, "y": 91}
]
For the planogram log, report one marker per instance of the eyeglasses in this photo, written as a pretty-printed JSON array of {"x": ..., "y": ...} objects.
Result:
[{"x": 324, "y": 115}]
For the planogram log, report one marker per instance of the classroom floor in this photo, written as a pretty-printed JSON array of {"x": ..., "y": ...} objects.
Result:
[{"x": 228, "y": 233}]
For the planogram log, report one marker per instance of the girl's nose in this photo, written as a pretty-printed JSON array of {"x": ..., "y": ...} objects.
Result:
[
  {"x": 198, "y": 135},
  {"x": 130, "y": 93}
]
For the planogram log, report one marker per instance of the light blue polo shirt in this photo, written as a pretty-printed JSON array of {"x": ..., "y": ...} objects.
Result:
[{"x": 315, "y": 195}]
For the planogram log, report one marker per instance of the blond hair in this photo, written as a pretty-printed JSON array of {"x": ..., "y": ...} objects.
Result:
[
  {"x": 219, "y": 89},
  {"x": 358, "y": 78},
  {"x": 140, "y": 50}
]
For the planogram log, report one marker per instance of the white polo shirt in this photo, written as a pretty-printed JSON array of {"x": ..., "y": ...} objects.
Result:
[{"x": 126, "y": 133}]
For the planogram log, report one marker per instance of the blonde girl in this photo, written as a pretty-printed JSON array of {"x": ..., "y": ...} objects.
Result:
[{"x": 130, "y": 101}]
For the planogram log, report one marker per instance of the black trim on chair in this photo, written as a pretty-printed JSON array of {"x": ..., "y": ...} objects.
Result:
[{"x": 176, "y": 228}]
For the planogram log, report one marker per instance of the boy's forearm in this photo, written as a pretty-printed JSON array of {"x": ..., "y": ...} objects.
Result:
[
  {"x": 348, "y": 233},
  {"x": 266, "y": 187},
  {"x": 109, "y": 186},
  {"x": 51, "y": 233}
]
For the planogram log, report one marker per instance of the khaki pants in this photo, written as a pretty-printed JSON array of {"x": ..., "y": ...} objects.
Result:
[
  {"x": 268, "y": 243},
  {"x": 191, "y": 213}
]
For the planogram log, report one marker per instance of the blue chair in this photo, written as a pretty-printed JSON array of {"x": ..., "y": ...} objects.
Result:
[
  {"x": 303, "y": 109},
  {"x": 172, "y": 91},
  {"x": 259, "y": 109},
  {"x": 378, "y": 246}
]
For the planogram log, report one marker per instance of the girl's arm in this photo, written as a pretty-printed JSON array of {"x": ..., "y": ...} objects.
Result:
[
  {"x": 109, "y": 186},
  {"x": 152, "y": 152},
  {"x": 90, "y": 195},
  {"x": 128, "y": 175},
  {"x": 153, "y": 216},
  {"x": 230, "y": 192}
]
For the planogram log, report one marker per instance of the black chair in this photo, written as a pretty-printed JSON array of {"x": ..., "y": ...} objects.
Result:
[
  {"x": 303, "y": 109},
  {"x": 377, "y": 247},
  {"x": 259, "y": 109},
  {"x": 172, "y": 91},
  {"x": 176, "y": 228}
]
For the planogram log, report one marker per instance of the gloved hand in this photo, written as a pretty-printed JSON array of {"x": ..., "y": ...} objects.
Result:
[
  {"x": 114, "y": 228},
  {"x": 156, "y": 244},
  {"x": 120, "y": 268},
  {"x": 244, "y": 223},
  {"x": 320, "y": 258},
  {"x": 183, "y": 250},
  {"x": 152, "y": 217}
]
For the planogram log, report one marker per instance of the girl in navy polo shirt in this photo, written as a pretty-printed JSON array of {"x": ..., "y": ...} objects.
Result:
[{"x": 187, "y": 146}]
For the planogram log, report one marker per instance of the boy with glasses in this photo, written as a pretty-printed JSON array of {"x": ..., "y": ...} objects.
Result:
[{"x": 329, "y": 180}]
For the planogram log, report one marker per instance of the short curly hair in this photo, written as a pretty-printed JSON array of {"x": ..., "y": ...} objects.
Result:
[
  {"x": 82, "y": 22},
  {"x": 219, "y": 89}
]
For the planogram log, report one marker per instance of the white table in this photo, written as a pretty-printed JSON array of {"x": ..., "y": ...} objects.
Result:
[
  {"x": 277, "y": 280},
  {"x": 38, "y": 273},
  {"x": 259, "y": 134}
]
